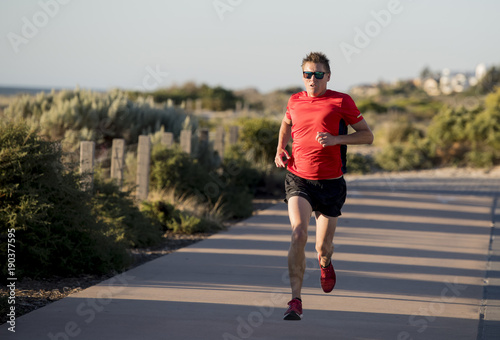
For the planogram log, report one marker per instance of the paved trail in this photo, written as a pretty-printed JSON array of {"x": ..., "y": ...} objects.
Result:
[{"x": 411, "y": 263}]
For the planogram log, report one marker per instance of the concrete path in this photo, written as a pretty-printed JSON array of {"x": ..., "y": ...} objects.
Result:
[{"x": 410, "y": 265}]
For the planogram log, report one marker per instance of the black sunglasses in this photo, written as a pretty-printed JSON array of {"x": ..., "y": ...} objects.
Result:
[{"x": 318, "y": 75}]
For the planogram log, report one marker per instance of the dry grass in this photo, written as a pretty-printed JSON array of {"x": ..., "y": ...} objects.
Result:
[{"x": 188, "y": 204}]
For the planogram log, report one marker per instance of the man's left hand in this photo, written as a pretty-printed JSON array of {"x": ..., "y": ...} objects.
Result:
[{"x": 326, "y": 139}]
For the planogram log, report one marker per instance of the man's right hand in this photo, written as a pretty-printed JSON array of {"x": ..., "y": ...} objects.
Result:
[{"x": 280, "y": 153}]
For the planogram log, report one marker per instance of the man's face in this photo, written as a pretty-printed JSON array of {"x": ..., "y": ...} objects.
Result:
[{"x": 315, "y": 87}]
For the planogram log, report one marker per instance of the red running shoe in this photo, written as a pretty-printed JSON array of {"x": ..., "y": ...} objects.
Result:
[
  {"x": 294, "y": 311},
  {"x": 328, "y": 277}
]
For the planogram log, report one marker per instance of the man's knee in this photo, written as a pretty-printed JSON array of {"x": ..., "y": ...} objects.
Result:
[{"x": 299, "y": 237}]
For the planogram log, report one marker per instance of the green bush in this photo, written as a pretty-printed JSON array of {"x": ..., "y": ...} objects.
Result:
[
  {"x": 484, "y": 132},
  {"x": 160, "y": 211},
  {"x": 56, "y": 232},
  {"x": 217, "y": 98},
  {"x": 174, "y": 169},
  {"x": 448, "y": 134},
  {"x": 85, "y": 115},
  {"x": 412, "y": 155},
  {"x": 468, "y": 137},
  {"x": 177, "y": 221},
  {"x": 212, "y": 98},
  {"x": 397, "y": 131},
  {"x": 190, "y": 224},
  {"x": 239, "y": 182},
  {"x": 186, "y": 224},
  {"x": 259, "y": 139},
  {"x": 358, "y": 163},
  {"x": 488, "y": 83},
  {"x": 368, "y": 105},
  {"x": 481, "y": 159},
  {"x": 229, "y": 189},
  {"x": 124, "y": 220}
]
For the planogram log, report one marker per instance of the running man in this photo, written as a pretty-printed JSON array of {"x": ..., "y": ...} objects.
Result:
[{"x": 317, "y": 121}]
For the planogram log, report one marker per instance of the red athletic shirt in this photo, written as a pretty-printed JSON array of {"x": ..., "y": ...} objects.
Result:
[{"x": 332, "y": 112}]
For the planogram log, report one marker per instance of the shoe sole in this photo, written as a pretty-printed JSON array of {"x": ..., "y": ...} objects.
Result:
[
  {"x": 326, "y": 291},
  {"x": 292, "y": 316}
]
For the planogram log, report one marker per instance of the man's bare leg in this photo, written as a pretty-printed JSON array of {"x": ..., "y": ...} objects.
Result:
[
  {"x": 325, "y": 231},
  {"x": 299, "y": 211}
]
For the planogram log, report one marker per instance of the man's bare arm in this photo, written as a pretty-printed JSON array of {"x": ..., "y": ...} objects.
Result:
[
  {"x": 362, "y": 135},
  {"x": 284, "y": 137}
]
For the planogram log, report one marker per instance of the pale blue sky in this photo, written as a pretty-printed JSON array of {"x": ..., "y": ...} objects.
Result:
[{"x": 253, "y": 43}]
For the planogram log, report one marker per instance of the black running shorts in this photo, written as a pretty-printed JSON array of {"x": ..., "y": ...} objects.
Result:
[{"x": 326, "y": 195}]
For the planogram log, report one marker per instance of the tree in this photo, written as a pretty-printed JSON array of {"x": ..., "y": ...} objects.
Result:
[
  {"x": 427, "y": 73},
  {"x": 488, "y": 83}
]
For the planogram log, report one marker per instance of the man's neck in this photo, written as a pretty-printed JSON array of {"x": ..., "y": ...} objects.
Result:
[{"x": 312, "y": 95}]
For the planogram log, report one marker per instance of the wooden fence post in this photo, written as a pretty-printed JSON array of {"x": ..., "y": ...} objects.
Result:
[
  {"x": 198, "y": 105},
  {"x": 87, "y": 154},
  {"x": 186, "y": 141},
  {"x": 143, "y": 167},
  {"x": 118, "y": 160},
  {"x": 167, "y": 139},
  {"x": 233, "y": 135},
  {"x": 219, "y": 141}
]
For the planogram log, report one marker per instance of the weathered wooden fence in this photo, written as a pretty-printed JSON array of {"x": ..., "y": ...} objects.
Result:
[{"x": 87, "y": 155}]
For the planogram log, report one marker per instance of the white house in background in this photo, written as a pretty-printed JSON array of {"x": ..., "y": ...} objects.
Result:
[
  {"x": 445, "y": 83},
  {"x": 480, "y": 73},
  {"x": 452, "y": 82},
  {"x": 431, "y": 86}
]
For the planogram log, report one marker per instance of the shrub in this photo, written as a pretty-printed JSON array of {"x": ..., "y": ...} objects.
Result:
[
  {"x": 229, "y": 189},
  {"x": 212, "y": 98},
  {"x": 412, "y": 155},
  {"x": 174, "y": 169},
  {"x": 358, "y": 163},
  {"x": 85, "y": 115},
  {"x": 124, "y": 220},
  {"x": 190, "y": 224},
  {"x": 371, "y": 106},
  {"x": 489, "y": 82},
  {"x": 484, "y": 133},
  {"x": 178, "y": 221},
  {"x": 238, "y": 181},
  {"x": 259, "y": 139},
  {"x": 468, "y": 137},
  {"x": 56, "y": 233},
  {"x": 396, "y": 132},
  {"x": 160, "y": 211}
]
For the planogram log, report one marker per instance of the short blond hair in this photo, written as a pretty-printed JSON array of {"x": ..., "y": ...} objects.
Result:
[{"x": 317, "y": 58}]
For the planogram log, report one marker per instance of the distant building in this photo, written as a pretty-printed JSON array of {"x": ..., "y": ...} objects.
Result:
[
  {"x": 431, "y": 86},
  {"x": 449, "y": 82},
  {"x": 434, "y": 84},
  {"x": 364, "y": 90},
  {"x": 480, "y": 73}
]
